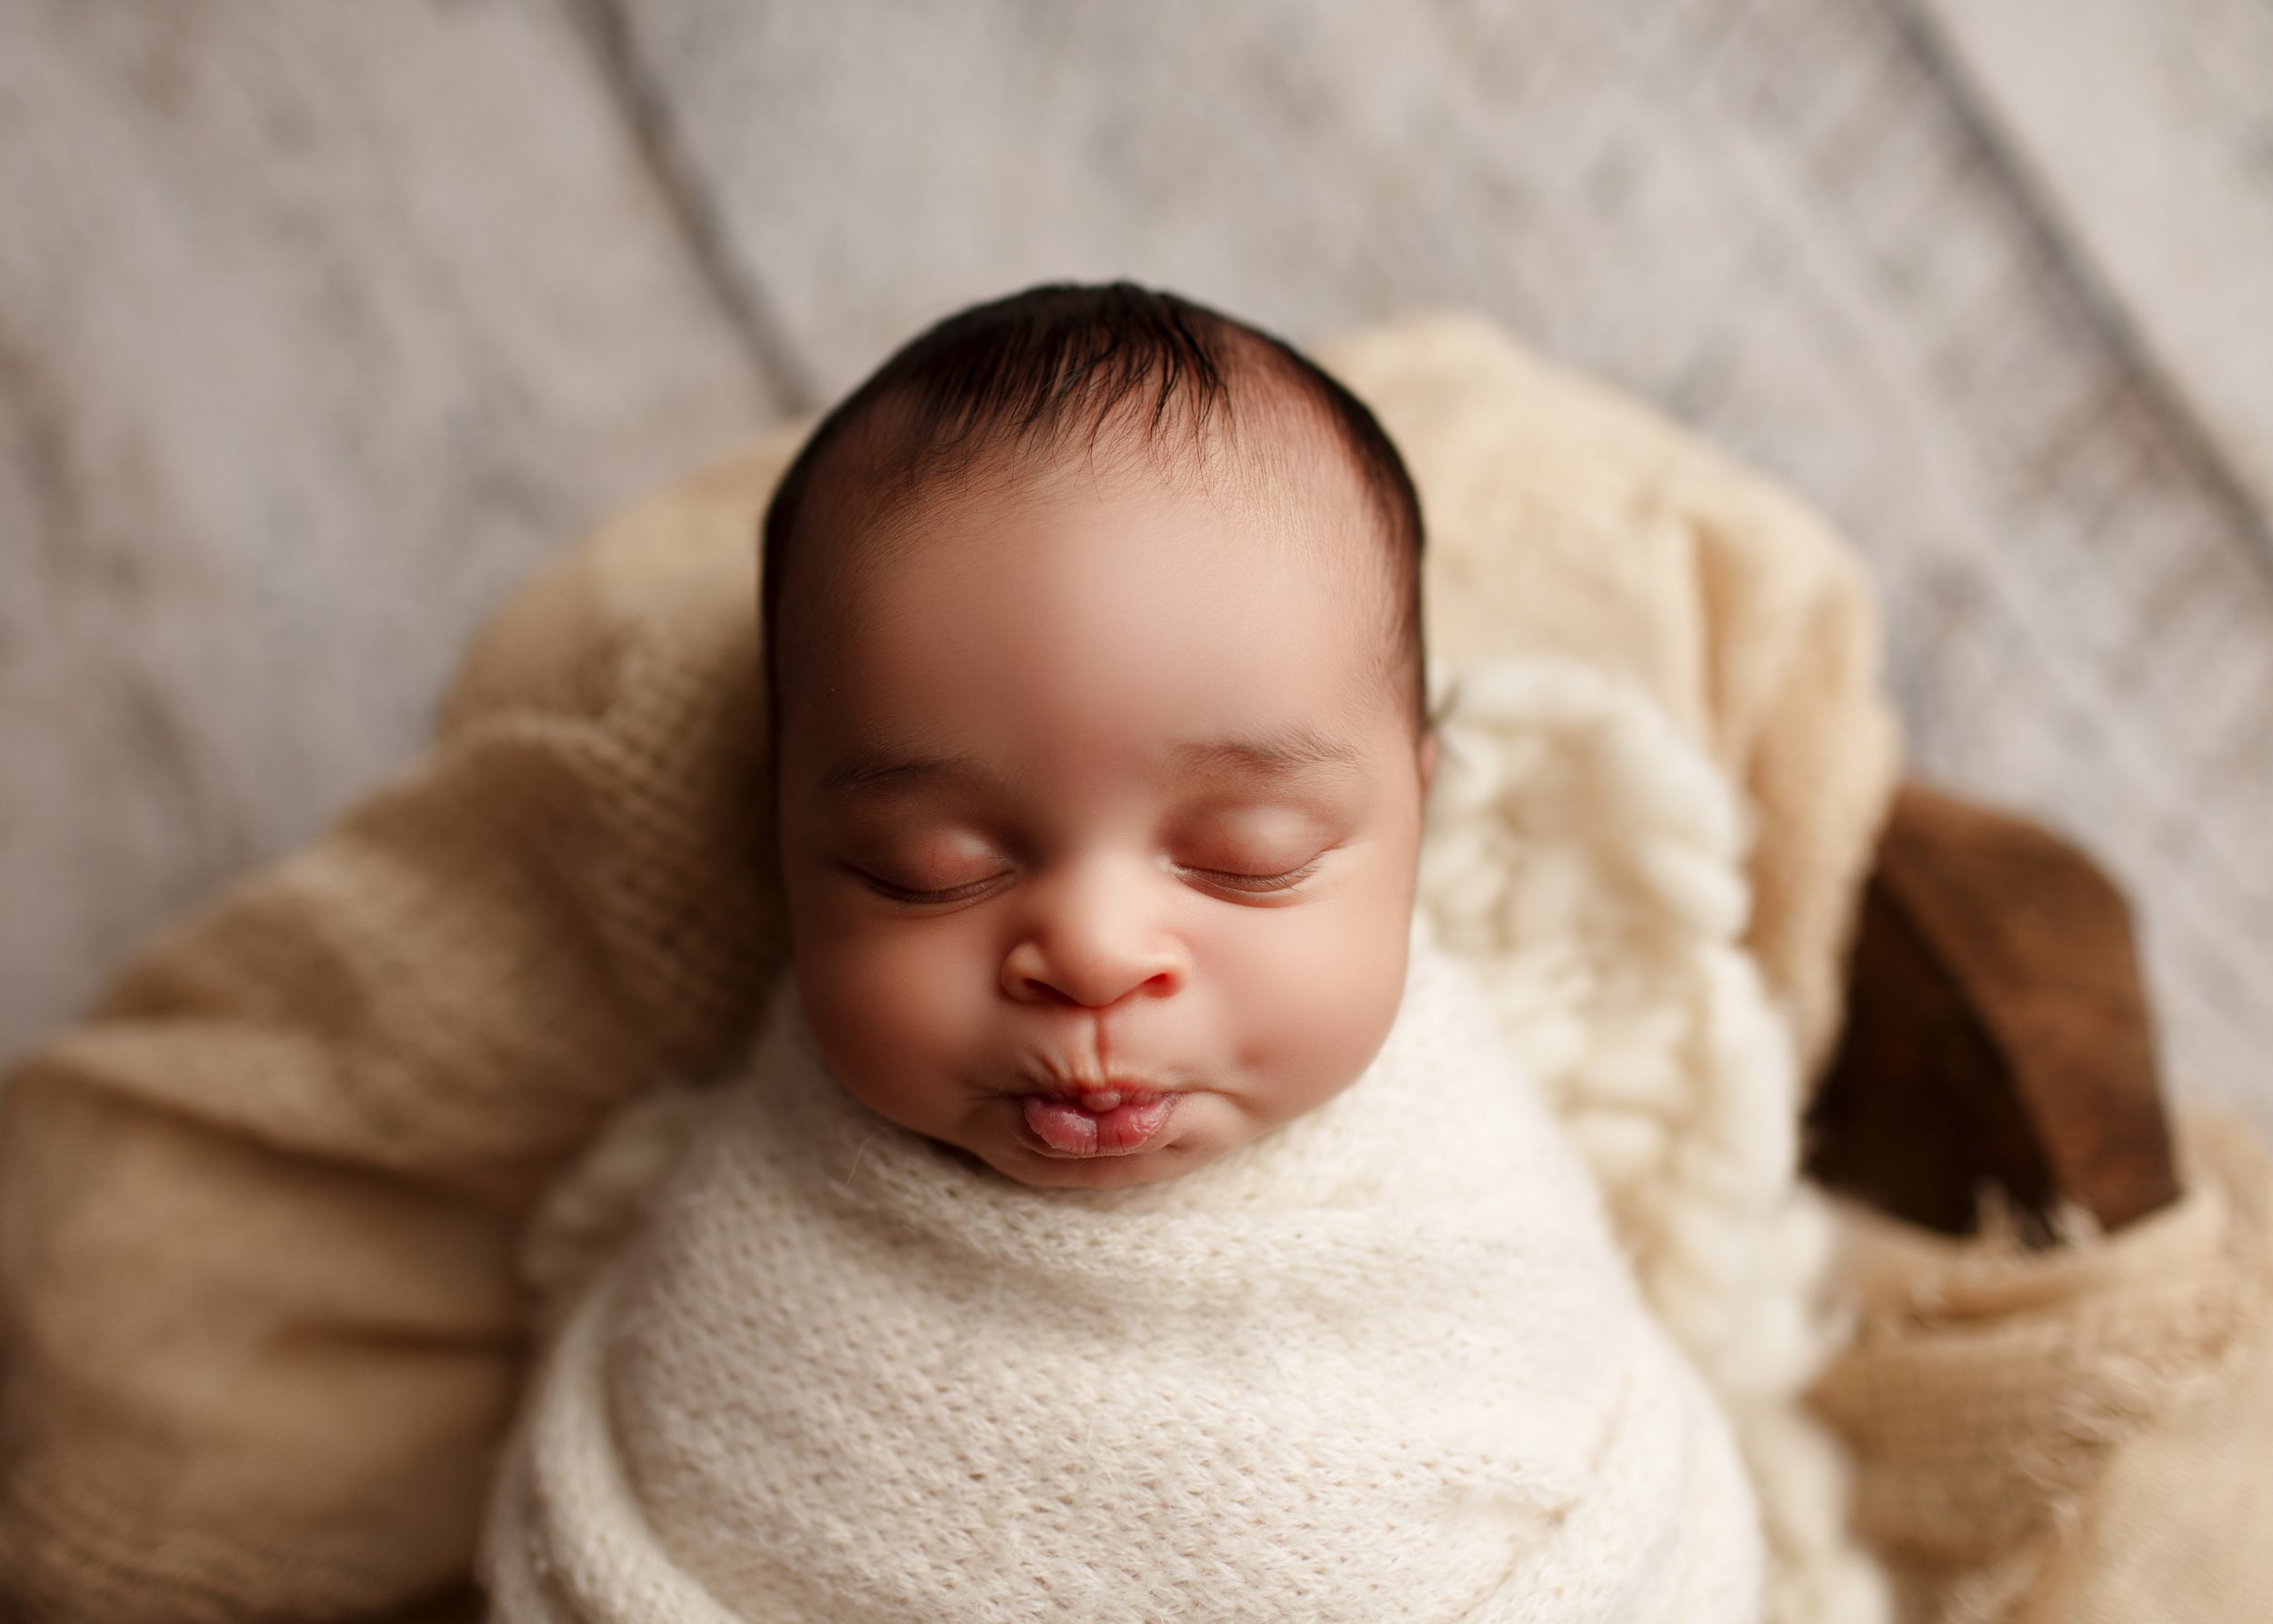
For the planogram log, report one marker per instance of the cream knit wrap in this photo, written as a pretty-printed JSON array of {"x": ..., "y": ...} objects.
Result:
[{"x": 1383, "y": 1362}]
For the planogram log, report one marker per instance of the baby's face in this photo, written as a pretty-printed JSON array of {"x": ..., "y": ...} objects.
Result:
[{"x": 1099, "y": 820}]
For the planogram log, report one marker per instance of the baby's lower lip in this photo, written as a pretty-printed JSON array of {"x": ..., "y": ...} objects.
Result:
[{"x": 1105, "y": 1124}]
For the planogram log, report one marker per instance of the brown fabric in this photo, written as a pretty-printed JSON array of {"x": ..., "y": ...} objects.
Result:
[
  {"x": 1998, "y": 1032},
  {"x": 2016, "y": 1413},
  {"x": 258, "y": 1335},
  {"x": 2083, "y": 1435}
]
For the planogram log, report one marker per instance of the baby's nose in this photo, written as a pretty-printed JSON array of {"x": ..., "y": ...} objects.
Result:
[
  {"x": 1086, "y": 945},
  {"x": 1093, "y": 984}
]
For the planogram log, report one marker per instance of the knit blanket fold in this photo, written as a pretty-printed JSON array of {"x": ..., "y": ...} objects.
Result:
[
  {"x": 1385, "y": 1361},
  {"x": 1589, "y": 864}
]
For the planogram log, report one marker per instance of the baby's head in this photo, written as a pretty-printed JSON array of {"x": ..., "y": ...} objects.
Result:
[{"x": 1092, "y": 628}]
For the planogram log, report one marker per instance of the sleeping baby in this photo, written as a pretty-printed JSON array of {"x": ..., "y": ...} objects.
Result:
[{"x": 1128, "y": 1209}]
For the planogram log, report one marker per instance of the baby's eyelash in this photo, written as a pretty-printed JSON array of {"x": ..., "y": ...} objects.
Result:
[
  {"x": 1261, "y": 883},
  {"x": 884, "y": 887}
]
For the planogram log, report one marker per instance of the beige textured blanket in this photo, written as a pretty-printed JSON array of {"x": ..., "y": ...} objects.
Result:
[{"x": 2077, "y": 1437}]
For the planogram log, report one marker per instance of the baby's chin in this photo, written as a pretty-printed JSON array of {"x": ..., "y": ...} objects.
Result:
[{"x": 1098, "y": 1172}]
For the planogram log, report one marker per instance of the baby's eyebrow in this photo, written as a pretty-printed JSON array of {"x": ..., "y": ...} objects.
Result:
[
  {"x": 1281, "y": 755},
  {"x": 879, "y": 772},
  {"x": 1284, "y": 753}
]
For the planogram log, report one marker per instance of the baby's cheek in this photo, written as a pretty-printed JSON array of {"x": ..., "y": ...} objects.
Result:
[
  {"x": 893, "y": 1014},
  {"x": 1313, "y": 1003}
]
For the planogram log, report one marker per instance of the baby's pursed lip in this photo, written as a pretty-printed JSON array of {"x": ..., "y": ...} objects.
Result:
[{"x": 1085, "y": 1119}]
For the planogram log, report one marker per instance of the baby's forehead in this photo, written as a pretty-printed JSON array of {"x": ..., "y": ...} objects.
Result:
[
  {"x": 1271, "y": 463},
  {"x": 1167, "y": 609}
]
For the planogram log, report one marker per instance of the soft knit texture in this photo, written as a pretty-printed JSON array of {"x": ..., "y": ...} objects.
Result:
[{"x": 1384, "y": 1359}]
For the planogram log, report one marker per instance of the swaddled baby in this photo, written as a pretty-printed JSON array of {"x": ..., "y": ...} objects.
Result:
[{"x": 1126, "y": 1211}]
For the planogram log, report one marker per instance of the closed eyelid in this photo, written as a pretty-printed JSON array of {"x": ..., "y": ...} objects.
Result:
[
  {"x": 921, "y": 895},
  {"x": 1253, "y": 890}
]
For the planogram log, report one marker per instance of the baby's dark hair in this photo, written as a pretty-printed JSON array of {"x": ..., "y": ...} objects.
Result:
[{"x": 1037, "y": 368}]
